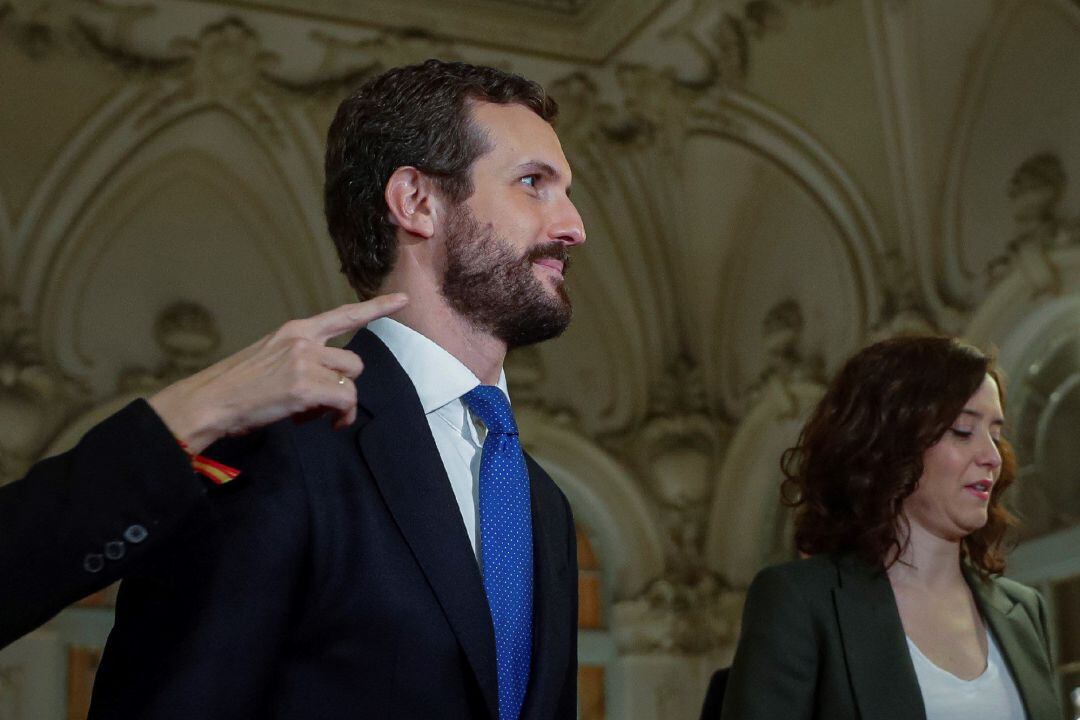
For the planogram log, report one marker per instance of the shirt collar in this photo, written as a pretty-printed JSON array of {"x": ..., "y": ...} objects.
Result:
[{"x": 438, "y": 376}]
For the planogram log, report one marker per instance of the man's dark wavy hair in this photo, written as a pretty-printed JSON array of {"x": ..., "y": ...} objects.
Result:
[
  {"x": 860, "y": 455},
  {"x": 418, "y": 116}
]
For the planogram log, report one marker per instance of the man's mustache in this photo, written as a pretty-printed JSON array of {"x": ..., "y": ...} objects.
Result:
[{"x": 554, "y": 250}]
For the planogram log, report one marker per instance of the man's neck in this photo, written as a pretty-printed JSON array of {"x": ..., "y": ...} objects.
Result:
[{"x": 477, "y": 350}]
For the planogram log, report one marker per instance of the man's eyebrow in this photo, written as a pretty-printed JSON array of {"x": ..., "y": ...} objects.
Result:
[{"x": 978, "y": 415}]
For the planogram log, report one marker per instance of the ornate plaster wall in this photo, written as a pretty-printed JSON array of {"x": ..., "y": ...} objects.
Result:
[{"x": 768, "y": 185}]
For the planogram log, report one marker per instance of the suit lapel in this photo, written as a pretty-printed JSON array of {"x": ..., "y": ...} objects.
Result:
[
  {"x": 1018, "y": 639},
  {"x": 401, "y": 453},
  {"x": 550, "y": 609},
  {"x": 873, "y": 639}
]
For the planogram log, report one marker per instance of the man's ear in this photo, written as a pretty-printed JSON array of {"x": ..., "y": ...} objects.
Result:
[{"x": 411, "y": 201}]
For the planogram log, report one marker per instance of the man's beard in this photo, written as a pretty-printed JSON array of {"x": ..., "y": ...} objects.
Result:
[{"x": 497, "y": 291}]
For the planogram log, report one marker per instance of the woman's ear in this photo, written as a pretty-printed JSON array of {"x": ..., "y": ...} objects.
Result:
[{"x": 411, "y": 202}]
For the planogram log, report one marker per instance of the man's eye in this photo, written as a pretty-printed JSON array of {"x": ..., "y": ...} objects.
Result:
[{"x": 530, "y": 180}]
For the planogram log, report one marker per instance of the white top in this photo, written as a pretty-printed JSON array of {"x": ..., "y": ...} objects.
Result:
[
  {"x": 440, "y": 380},
  {"x": 991, "y": 696}
]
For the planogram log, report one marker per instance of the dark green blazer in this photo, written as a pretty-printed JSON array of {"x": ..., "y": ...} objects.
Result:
[{"x": 821, "y": 638}]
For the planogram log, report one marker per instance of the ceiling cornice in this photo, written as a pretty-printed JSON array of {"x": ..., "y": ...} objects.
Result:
[{"x": 577, "y": 30}]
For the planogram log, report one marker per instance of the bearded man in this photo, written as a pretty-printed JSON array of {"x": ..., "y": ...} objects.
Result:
[{"x": 416, "y": 564}]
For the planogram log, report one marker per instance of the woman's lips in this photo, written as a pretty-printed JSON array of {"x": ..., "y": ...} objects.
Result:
[{"x": 980, "y": 489}]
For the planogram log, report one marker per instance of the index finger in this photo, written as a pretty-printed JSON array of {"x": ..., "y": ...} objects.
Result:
[{"x": 344, "y": 318}]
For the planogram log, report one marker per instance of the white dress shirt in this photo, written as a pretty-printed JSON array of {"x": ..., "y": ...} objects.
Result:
[{"x": 440, "y": 380}]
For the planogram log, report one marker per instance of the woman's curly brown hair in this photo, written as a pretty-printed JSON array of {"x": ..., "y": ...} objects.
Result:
[{"x": 860, "y": 455}]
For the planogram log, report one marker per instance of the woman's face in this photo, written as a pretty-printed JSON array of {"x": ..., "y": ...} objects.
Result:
[{"x": 953, "y": 494}]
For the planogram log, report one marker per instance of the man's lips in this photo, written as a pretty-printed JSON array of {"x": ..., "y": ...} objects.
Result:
[
  {"x": 552, "y": 263},
  {"x": 554, "y": 256}
]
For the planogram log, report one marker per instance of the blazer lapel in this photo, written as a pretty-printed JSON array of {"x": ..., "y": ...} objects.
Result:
[
  {"x": 1018, "y": 639},
  {"x": 550, "y": 632},
  {"x": 882, "y": 677},
  {"x": 398, "y": 447}
]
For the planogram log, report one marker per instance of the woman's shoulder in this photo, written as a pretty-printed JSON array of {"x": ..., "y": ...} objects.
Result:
[
  {"x": 1015, "y": 591},
  {"x": 818, "y": 571}
]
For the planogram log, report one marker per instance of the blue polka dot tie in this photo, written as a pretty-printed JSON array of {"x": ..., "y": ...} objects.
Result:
[{"x": 505, "y": 544}]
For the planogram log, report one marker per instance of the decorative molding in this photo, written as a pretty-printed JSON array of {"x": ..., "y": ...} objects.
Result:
[
  {"x": 857, "y": 237},
  {"x": 676, "y": 453},
  {"x": 898, "y": 57},
  {"x": 584, "y": 31},
  {"x": 228, "y": 67},
  {"x": 782, "y": 332},
  {"x": 1049, "y": 392},
  {"x": 226, "y": 64},
  {"x": 526, "y": 375},
  {"x": 35, "y": 397},
  {"x": 903, "y": 312},
  {"x": 1035, "y": 191},
  {"x": 965, "y": 288},
  {"x": 722, "y": 38},
  {"x": 88, "y": 27},
  {"x": 678, "y": 617},
  {"x": 567, "y": 6},
  {"x": 606, "y": 497},
  {"x": 188, "y": 336},
  {"x": 347, "y": 63},
  {"x": 678, "y": 456},
  {"x": 740, "y": 542}
]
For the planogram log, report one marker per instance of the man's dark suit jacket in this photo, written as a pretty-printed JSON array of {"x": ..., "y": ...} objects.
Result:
[
  {"x": 79, "y": 521},
  {"x": 335, "y": 579},
  {"x": 822, "y": 639}
]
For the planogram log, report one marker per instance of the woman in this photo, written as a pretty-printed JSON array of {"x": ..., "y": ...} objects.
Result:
[{"x": 899, "y": 612}]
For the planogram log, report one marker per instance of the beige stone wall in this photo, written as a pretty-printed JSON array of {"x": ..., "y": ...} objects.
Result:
[{"x": 766, "y": 185}]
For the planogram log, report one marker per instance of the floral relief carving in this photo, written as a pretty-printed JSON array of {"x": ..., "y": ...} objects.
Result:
[
  {"x": 676, "y": 454},
  {"x": 720, "y": 34},
  {"x": 785, "y": 364},
  {"x": 187, "y": 335},
  {"x": 227, "y": 67},
  {"x": 39, "y": 27},
  {"x": 672, "y": 617},
  {"x": 346, "y": 63},
  {"x": 1035, "y": 191},
  {"x": 227, "y": 62},
  {"x": 35, "y": 397},
  {"x": 526, "y": 377},
  {"x": 657, "y": 104},
  {"x": 904, "y": 311}
]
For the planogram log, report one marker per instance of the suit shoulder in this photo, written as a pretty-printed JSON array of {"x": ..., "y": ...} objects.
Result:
[
  {"x": 808, "y": 582},
  {"x": 817, "y": 570},
  {"x": 1016, "y": 591}
]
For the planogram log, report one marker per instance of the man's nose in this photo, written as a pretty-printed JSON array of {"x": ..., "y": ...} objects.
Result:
[{"x": 567, "y": 226}]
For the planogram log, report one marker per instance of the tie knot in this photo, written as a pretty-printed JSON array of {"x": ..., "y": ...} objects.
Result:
[{"x": 490, "y": 405}]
